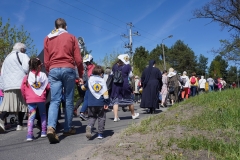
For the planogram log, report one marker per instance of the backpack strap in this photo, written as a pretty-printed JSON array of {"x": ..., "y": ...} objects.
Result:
[{"x": 18, "y": 59}]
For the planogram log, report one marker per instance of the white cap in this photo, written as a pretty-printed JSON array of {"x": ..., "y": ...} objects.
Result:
[
  {"x": 87, "y": 58},
  {"x": 124, "y": 58}
]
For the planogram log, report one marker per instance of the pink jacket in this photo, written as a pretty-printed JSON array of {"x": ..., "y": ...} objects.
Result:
[
  {"x": 28, "y": 94},
  {"x": 1, "y": 93}
]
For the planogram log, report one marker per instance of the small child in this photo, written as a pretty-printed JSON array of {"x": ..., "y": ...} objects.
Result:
[
  {"x": 219, "y": 84},
  {"x": 98, "y": 101},
  {"x": 34, "y": 87}
]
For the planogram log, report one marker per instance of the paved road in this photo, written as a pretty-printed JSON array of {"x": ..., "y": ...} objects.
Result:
[{"x": 13, "y": 145}]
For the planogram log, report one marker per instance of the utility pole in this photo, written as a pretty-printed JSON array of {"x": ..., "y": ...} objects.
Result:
[
  {"x": 129, "y": 45},
  {"x": 81, "y": 44}
]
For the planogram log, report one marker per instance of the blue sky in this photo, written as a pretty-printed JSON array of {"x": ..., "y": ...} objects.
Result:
[{"x": 102, "y": 22}]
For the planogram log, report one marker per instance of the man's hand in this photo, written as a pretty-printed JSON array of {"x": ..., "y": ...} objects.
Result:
[
  {"x": 80, "y": 81},
  {"x": 105, "y": 107}
]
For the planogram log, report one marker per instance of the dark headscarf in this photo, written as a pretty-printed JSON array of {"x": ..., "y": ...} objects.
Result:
[{"x": 148, "y": 72}]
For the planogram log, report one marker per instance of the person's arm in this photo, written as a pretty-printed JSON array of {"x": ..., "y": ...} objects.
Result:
[
  {"x": 48, "y": 87},
  {"x": 84, "y": 87},
  {"x": 78, "y": 58},
  {"x": 106, "y": 98},
  {"x": 25, "y": 64},
  {"x": 160, "y": 80},
  {"x": 143, "y": 78},
  {"x": 23, "y": 85},
  {"x": 46, "y": 55}
]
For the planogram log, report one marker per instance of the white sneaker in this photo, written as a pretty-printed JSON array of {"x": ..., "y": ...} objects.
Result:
[
  {"x": 136, "y": 115},
  {"x": 20, "y": 128},
  {"x": 2, "y": 127},
  {"x": 116, "y": 119}
]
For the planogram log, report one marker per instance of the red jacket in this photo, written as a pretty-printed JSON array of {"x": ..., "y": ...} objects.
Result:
[
  {"x": 62, "y": 51},
  {"x": 28, "y": 94}
]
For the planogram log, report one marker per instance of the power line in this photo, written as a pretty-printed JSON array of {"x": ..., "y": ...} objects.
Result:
[
  {"x": 72, "y": 16},
  {"x": 79, "y": 18},
  {"x": 99, "y": 17},
  {"x": 100, "y": 11},
  {"x": 117, "y": 19},
  {"x": 91, "y": 14}
]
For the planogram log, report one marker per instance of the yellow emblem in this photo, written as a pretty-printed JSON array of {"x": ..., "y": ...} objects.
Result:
[
  {"x": 54, "y": 31},
  {"x": 126, "y": 58},
  {"x": 37, "y": 85},
  {"x": 97, "y": 87},
  {"x": 85, "y": 57}
]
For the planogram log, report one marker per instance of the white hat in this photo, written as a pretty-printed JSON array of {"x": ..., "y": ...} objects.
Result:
[
  {"x": 87, "y": 58},
  {"x": 124, "y": 58}
]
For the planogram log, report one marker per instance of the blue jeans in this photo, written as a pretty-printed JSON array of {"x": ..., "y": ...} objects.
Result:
[
  {"x": 193, "y": 90},
  {"x": 61, "y": 78},
  {"x": 85, "y": 102},
  {"x": 211, "y": 87},
  {"x": 1, "y": 99}
]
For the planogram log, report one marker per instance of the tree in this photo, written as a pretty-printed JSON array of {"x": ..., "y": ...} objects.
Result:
[
  {"x": 232, "y": 75},
  {"x": 10, "y": 35},
  {"x": 181, "y": 57},
  {"x": 109, "y": 60},
  {"x": 218, "y": 67},
  {"x": 230, "y": 50},
  {"x": 140, "y": 60},
  {"x": 227, "y": 14},
  {"x": 202, "y": 65},
  {"x": 155, "y": 54},
  {"x": 224, "y": 12}
]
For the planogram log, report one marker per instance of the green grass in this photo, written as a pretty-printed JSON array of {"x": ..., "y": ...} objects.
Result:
[{"x": 210, "y": 122}]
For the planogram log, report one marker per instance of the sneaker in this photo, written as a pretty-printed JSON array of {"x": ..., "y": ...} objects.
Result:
[
  {"x": 100, "y": 136},
  {"x": 116, "y": 119},
  {"x": 89, "y": 132},
  {"x": 136, "y": 115},
  {"x": 82, "y": 116},
  {"x": 20, "y": 128},
  {"x": 29, "y": 138},
  {"x": 52, "y": 136},
  {"x": 43, "y": 134},
  {"x": 72, "y": 131},
  {"x": 2, "y": 127}
]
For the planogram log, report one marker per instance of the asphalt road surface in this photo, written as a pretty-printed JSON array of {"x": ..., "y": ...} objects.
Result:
[{"x": 13, "y": 144}]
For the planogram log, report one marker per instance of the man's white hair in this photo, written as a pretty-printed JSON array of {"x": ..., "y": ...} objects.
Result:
[{"x": 17, "y": 46}]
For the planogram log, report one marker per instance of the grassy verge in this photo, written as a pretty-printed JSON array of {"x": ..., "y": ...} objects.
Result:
[{"x": 205, "y": 126}]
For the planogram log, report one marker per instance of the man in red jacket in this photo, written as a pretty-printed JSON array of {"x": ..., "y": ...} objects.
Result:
[{"x": 61, "y": 54}]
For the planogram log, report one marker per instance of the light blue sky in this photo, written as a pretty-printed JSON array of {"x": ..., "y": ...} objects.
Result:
[{"x": 102, "y": 22}]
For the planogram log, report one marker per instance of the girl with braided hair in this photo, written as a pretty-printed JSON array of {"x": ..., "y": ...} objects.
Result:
[{"x": 34, "y": 90}]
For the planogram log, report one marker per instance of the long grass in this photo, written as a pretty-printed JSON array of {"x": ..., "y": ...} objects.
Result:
[{"x": 211, "y": 122}]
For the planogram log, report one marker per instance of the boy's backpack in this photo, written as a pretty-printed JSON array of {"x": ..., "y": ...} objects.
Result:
[
  {"x": 184, "y": 80},
  {"x": 193, "y": 80},
  {"x": 117, "y": 76}
]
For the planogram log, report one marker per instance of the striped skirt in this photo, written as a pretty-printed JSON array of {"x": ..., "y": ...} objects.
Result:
[
  {"x": 13, "y": 101},
  {"x": 121, "y": 102}
]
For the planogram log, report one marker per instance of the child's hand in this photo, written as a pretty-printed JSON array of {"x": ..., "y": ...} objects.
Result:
[
  {"x": 105, "y": 107},
  {"x": 80, "y": 81}
]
